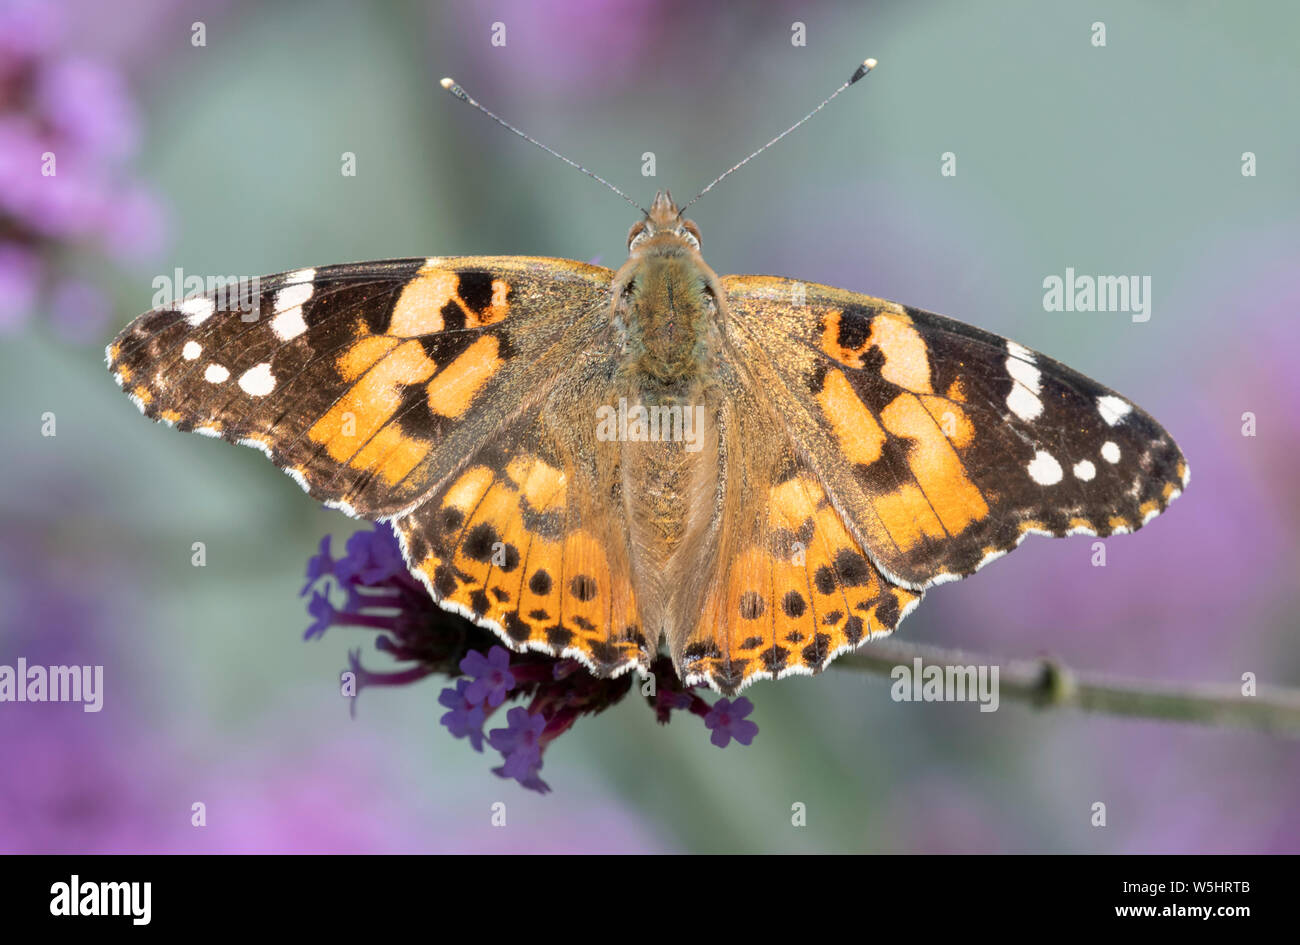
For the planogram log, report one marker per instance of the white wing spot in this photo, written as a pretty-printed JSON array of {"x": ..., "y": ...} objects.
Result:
[
  {"x": 292, "y": 295},
  {"x": 1019, "y": 351},
  {"x": 1085, "y": 470},
  {"x": 215, "y": 374},
  {"x": 1023, "y": 400},
  {"x": 1025, "y": 373},
  {"x": 300, "y": 275},
  {"x": 289, "y": 324},
  {"x": 258, "y": 381},
  {"x": 1110, "y": 451},
  {"x": 198, "y": 310},
  {"x": 1044, "y": 469},
  {"x": 1113, "y": 409},
  {"x": 191, "y": 350},
  {"x": 1024, "y": 403}
]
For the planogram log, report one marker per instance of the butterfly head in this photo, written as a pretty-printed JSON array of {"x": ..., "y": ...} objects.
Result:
[{"x": 663, "y": 229}]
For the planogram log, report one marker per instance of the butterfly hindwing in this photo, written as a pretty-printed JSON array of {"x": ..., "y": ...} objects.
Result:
[
  {"x": 942, "y": 445},
  {"x": 523, "y": 540},
  {"x": 791, "y": 587}
]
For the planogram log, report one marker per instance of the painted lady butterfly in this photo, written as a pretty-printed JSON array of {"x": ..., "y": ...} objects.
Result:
[{"x": 758, "y": 472}]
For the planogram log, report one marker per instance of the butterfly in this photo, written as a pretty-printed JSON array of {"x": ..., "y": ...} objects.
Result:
[{"x": 756, "y": 472}]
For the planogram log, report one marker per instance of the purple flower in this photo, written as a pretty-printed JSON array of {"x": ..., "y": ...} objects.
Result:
[
  {"x": 520, "y": 743},
  {"x": 28, "y": 30},
  {"x": 87, "y": 105},
  {"x": 318, "y": 565},
  {"x": 727, "y": 720},
  {"x": 466, "y": 718},
  {"x": 372, "y": 557},
  {"x": 324, "y": 613},
  {"x": 492, "y": 678},
  {"x": 68, "y": 127}
]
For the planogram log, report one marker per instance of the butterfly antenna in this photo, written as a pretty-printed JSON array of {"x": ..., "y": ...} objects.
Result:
[
  {"x": 858, "y": 73},
  {"x": 451, "y": 86}
]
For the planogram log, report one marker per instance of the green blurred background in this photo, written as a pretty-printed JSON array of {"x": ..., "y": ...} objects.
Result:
[{"x": 1122, "y": 159}]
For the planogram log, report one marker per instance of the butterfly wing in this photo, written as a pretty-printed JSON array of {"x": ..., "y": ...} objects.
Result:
[
  {"x": 942, "y": 445},
  {"x": 876, "y": 450},
  {"x": 392, "y": 390}
]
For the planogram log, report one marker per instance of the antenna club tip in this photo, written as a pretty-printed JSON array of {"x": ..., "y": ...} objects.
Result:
[
  {"x": 867, "y": 66},
  {"x": 448, "y": 82}
]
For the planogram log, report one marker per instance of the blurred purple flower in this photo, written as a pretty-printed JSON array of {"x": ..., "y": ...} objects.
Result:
[
  {"x": 68, "y": 127},
  {"x": 28, "y": 29},
  {"x": 86, "y": 105}
]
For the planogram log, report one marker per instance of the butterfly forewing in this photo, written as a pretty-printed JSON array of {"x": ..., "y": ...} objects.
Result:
[
  {"x": 941, "y": 445},
  {"x": 368, "y": 383}
]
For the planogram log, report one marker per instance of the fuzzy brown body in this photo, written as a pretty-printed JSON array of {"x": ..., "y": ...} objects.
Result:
[{"x": 667, "y": 326}]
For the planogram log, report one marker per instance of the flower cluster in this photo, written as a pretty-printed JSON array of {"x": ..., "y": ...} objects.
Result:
[
  {"x": 381, "y": 595},
  {"x": 68, "y": 128}
]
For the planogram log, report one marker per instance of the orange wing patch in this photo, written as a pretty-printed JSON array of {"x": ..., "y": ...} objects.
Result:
[
  {"x": 499, "y": 547},
  {"x": 422, "y": 308},
  {"x": 859, "y": 435},
  {"x": 905, "y": 356},
  {"x": 358, "y": 428},
  {"x": 792, "y": 606},
  {"x": 948, "y": 494},
  {"x": 453, "y": 390}
]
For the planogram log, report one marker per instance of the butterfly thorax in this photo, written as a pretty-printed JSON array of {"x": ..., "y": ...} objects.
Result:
[{"x": 666, "y": 314}]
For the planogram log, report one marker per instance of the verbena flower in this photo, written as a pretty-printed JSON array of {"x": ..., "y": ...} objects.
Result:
[
  {"x": 380, "y": 595},
  {"x": 727, "y": 721},
  {"x": 68, "y": 130}
]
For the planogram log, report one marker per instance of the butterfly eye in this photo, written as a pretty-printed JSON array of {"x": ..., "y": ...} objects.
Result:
[
  {"x": 636, "y": 234},
  {"x": 691, "y": 233}
]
